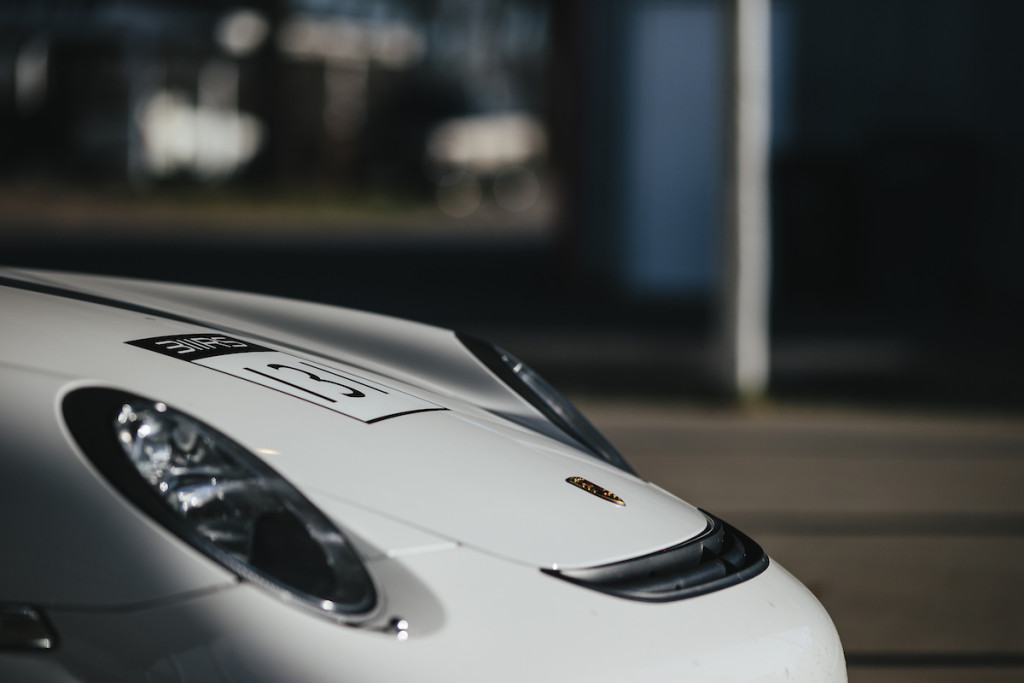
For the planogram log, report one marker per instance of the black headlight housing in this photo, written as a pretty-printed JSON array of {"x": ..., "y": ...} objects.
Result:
[{"x": 221, "y": 499}]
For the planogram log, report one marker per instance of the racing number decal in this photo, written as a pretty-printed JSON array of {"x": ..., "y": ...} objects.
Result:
[
  {"x": 349, "y": 392},
  {"x": 331, "y": 388}
]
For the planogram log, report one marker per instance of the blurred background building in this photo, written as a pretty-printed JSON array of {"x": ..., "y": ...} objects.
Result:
[{"x": 495, "y": 163}]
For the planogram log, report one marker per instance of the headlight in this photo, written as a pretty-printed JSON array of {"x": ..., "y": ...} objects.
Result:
[
  {"x": 220, "y": 498},
  {"x": 545, "y": 398}
]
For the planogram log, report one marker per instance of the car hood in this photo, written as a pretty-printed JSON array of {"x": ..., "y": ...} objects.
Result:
[{"x": 448, "y": 454}]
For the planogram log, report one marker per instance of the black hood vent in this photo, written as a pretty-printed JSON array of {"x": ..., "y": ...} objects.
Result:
[{"x": 720, "y": 557}]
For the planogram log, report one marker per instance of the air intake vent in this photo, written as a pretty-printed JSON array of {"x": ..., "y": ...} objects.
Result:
[{"x": 720, "y": 557}]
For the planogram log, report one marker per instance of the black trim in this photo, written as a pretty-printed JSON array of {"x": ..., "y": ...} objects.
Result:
[
  {"x": 491, "y": 356},
  {"x": 721, "y": 556},
  {"x": 408, "y": 412},
  {"x": 64, "y": 293}
]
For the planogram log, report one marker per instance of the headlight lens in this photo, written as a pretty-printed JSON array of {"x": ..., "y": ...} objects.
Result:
[
  {"x": 220, "y": 498},
  {"x": 545, "y": 398}
]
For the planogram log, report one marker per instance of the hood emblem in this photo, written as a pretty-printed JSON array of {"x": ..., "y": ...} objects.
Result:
[{"x": 591, "y": 487}]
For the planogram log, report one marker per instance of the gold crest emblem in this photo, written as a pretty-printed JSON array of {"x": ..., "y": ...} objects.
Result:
[{"x": 591, "y": 487}]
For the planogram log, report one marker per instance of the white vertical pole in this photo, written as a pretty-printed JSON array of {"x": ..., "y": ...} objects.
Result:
[{"x": 744, "y": 322}]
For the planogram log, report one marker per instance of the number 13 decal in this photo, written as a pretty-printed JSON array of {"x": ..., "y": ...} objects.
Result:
[
  {"x": 308, "y": 381},
  {"x": 330, "y": 388},
  {"x": 337, "y": 390}
]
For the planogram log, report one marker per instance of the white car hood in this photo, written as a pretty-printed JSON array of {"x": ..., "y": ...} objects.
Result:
[{"x": 459, "y": 457}]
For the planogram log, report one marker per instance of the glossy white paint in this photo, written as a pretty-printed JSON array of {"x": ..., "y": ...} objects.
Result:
[
  {"x": 454, "y": 510},
  {"x": 435, "y": 362},
  {"x": 473, "y": 617}
]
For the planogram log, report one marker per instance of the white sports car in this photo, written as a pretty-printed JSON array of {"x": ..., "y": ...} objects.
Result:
[{"x": 202, "y": 485}]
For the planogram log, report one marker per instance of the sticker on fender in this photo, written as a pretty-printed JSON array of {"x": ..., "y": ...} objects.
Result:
[{"x": 334, "y": 389}]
